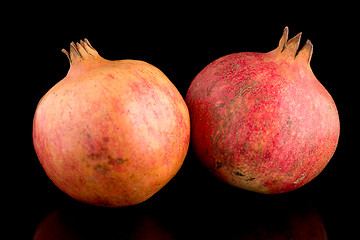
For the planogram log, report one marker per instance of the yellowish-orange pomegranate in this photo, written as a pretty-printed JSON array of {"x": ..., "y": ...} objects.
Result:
[{"x": 111, "y": 133}]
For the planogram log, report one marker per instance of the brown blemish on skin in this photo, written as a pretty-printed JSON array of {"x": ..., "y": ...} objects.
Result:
[
  {"x": 288, "y": 121},
  {"x": 102, "y": 169},
  {"x": 243, "y": 175},
  {"x": 250, "y": 179},
  {"x": 116, "y": 161},
  {"x": 239, "y": 174},
  {"x": 104, "y": 156},
  {"x": 94, "y": 156}
]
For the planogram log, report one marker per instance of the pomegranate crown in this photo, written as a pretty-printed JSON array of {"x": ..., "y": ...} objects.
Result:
[
  {"x": 290, "y": 47},
  {"x": 80, "y": 51}
]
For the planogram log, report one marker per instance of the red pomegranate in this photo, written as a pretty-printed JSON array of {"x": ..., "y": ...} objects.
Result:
[
  {"x": 262, "y": 121},
  {"x": 111, "y": 133}
]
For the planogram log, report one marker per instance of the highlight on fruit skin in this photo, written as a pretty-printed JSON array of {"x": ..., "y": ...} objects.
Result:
[
  {"x": 111, "y": 133},
  {"x": 262, "y": 121}
]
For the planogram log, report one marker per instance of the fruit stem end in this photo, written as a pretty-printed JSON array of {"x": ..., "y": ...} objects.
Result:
[
  {"x": 290, "y": 48},
  {"x": 80, "y": 51}
]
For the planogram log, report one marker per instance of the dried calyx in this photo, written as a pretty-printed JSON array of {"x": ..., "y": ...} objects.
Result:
[
  {"x": 291, "y": 47},
  {"x": 80, "y": 51}
]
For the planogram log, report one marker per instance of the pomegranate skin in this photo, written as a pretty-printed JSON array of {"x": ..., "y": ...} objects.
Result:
[
  {"x": 111, "y": 133},
  {"x": 262, "y": 121}
]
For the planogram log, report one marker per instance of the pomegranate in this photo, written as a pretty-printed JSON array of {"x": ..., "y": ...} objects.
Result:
[
  {"x": 111, "y": 133},
  {"x": 262, "y": 121}
]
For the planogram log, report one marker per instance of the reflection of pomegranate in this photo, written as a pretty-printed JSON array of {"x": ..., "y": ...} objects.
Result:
[
  {"x": 262, "y": 121},
  {"x": 224, "y": 213},
  {"x": 74, "y": 225},
  {"x": 111, "y": 133},
  {"x": 305, "y": 224}
]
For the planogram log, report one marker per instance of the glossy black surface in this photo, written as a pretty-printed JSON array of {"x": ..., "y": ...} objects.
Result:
[{"x": 194, "y": 205}]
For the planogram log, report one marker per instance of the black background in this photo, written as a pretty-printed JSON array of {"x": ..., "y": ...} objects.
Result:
[{"x": 180, "y": 39}]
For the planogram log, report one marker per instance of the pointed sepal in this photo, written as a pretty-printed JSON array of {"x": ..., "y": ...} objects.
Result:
[
  {"x": 305, "y": 53},
  {"x": 283, "y": 39},
  {"x": 292, "y": 46}
]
